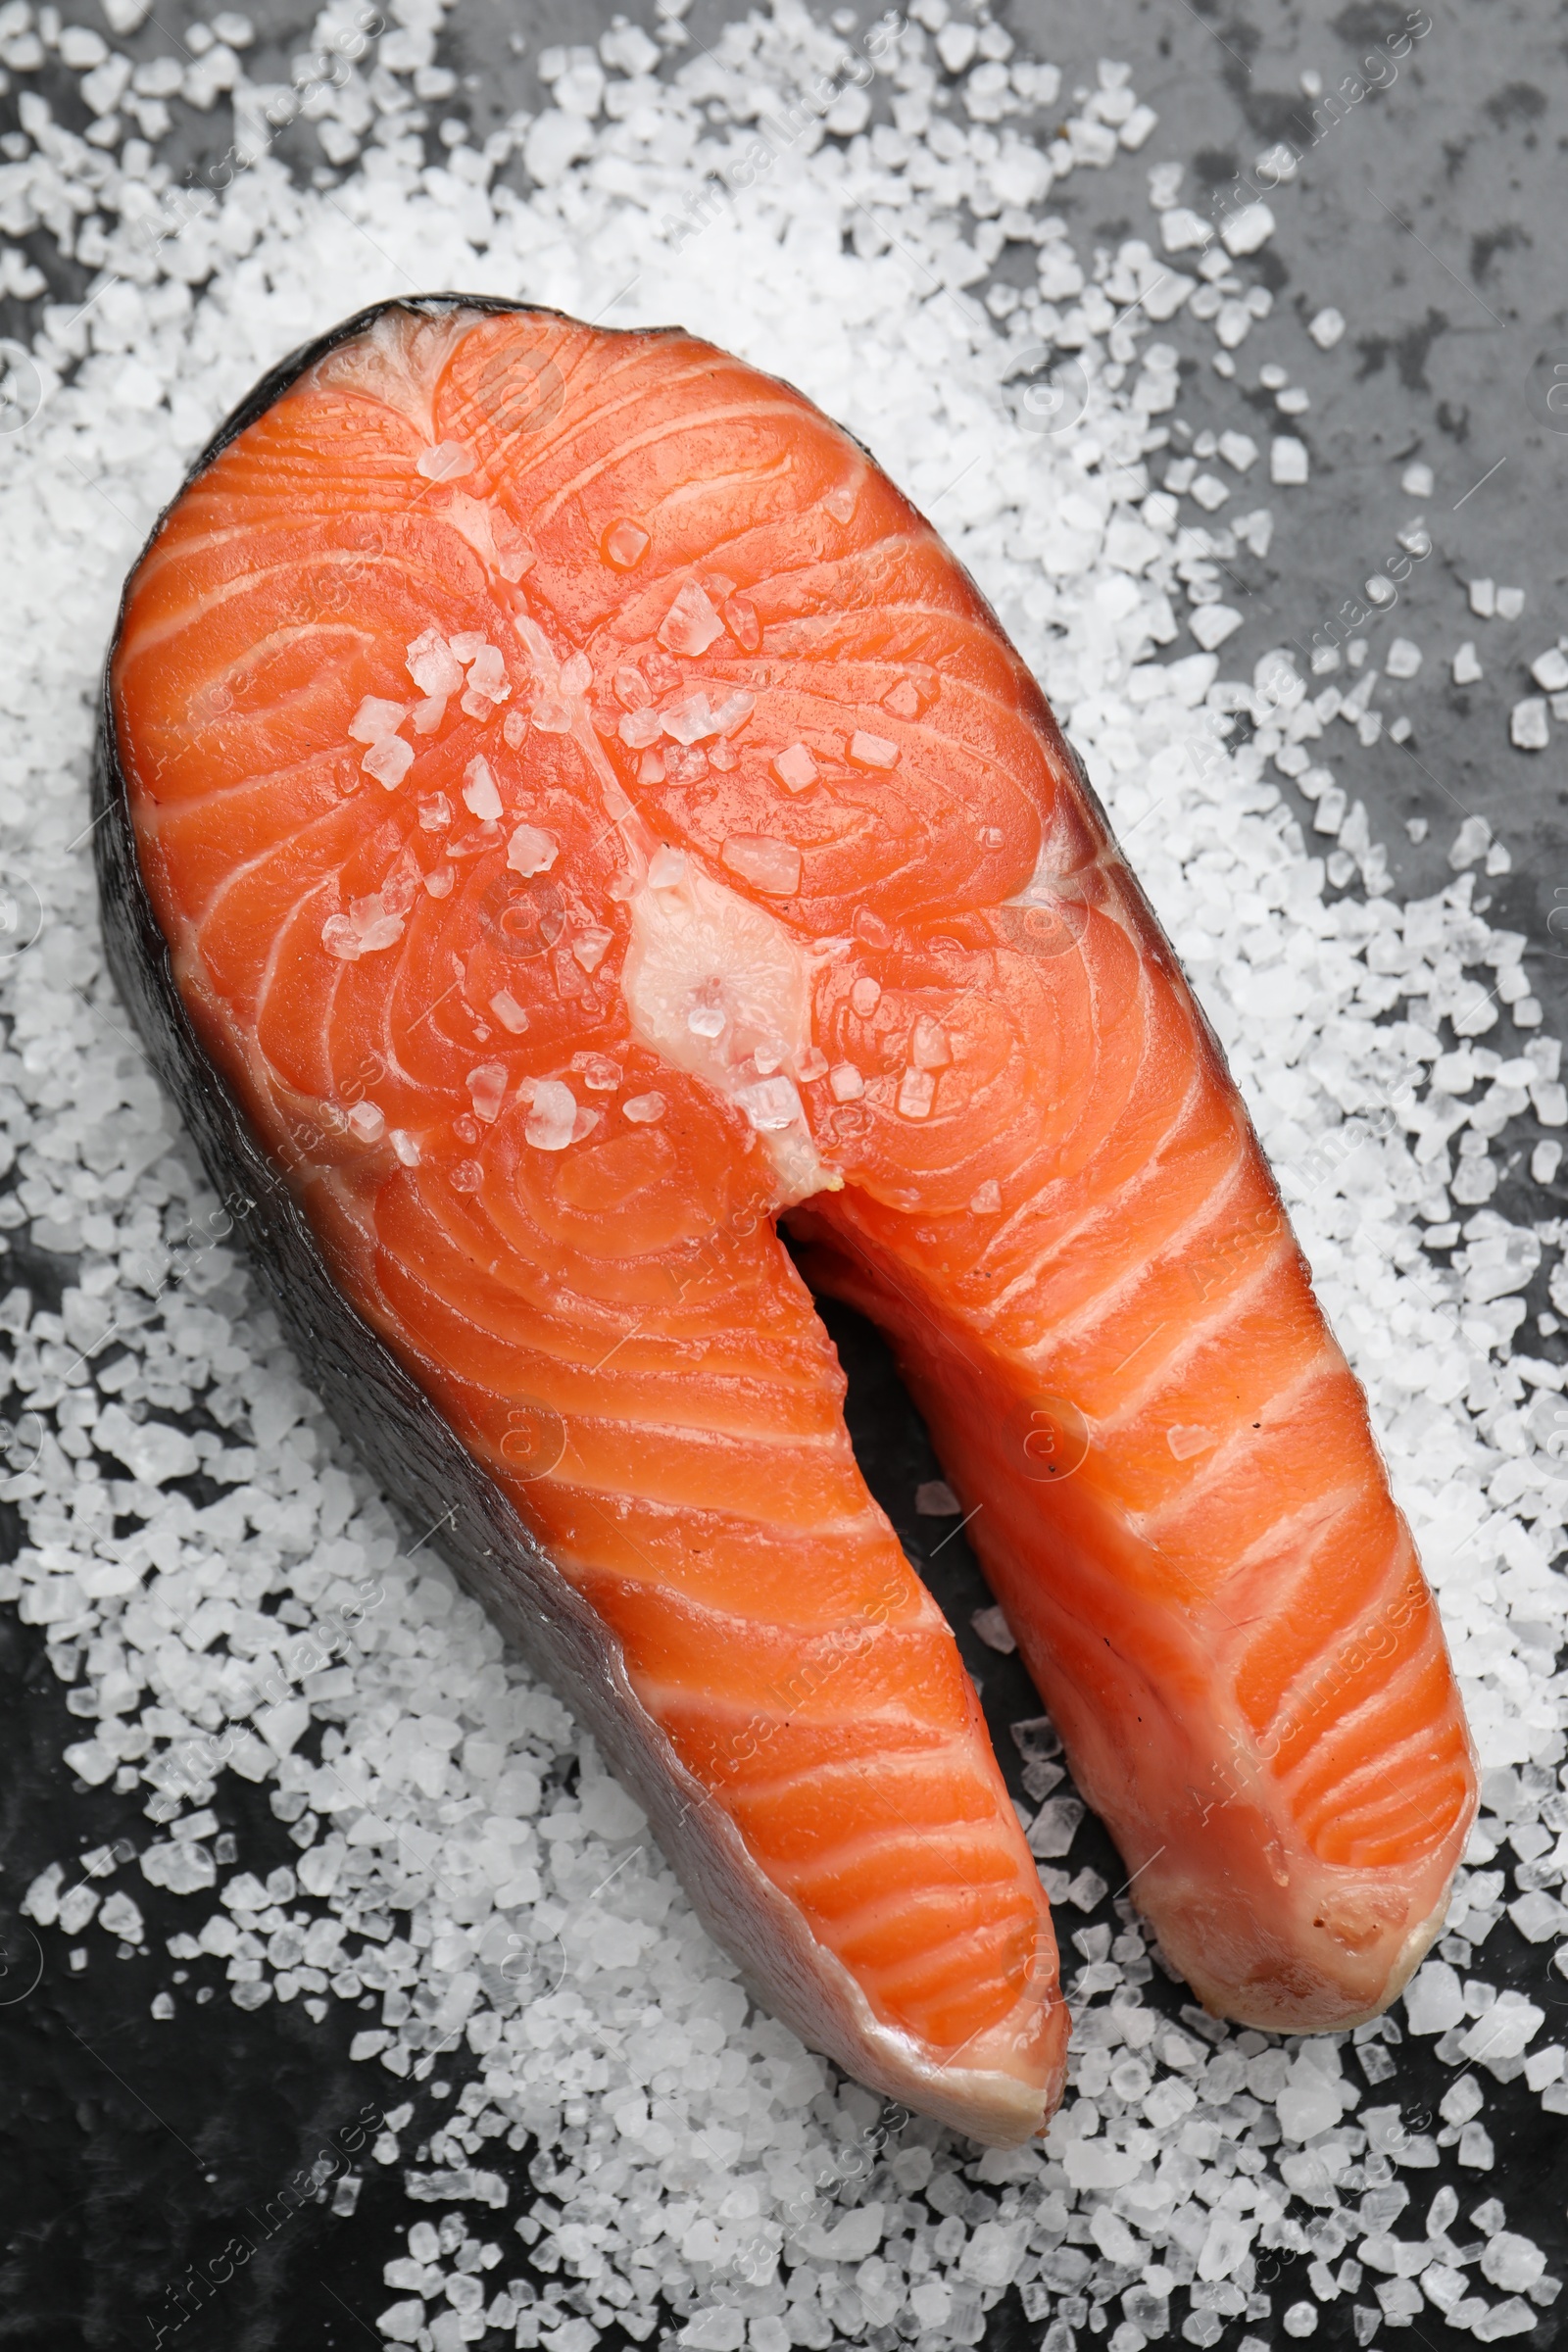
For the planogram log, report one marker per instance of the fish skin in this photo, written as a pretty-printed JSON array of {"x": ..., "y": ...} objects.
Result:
[
  {"x": 1203, "y": 1659},
  {"x": 832, "y": 1804}
]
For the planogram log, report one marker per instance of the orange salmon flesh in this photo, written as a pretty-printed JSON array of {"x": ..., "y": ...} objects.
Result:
[{"x": 592, "y": 815}]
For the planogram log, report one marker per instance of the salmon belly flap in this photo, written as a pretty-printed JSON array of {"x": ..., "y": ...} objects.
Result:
[{"x": 591, "y": 815}]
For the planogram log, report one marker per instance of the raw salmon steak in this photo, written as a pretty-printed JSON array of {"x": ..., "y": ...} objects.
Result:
[{"x": 565, "y": 808}]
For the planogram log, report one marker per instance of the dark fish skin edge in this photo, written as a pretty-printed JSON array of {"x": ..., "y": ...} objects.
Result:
[{"x": 438, "y": 1486}]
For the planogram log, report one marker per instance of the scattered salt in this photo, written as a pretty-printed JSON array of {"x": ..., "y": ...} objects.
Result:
[{"x": 1275, "y": 1016}]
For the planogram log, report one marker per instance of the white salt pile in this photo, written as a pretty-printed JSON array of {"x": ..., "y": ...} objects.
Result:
[{"x": 822, "y": 200}]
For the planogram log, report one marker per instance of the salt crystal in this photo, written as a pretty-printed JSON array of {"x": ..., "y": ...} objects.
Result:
[
  {"x": 1432, "y": 1998},
  {"x": 644, "y": 1109},
  {"x": 120, "y": 1917},
  {"x": 1528, "y": 730},
  {"x": 367, "y": 1122},
  {"x": 1186, "y": 1441},
  {"x": 872, "y": 750},
  {"x": 487, "y": 679},
  {"x": 532, "y": 850},
  {"x": 1470, "y": 843},
  {"x": 639, "y": 728},
  {"x": 771, "y": 1104},
  {"x": 508, "y": 1012},
  {"x": 406, "y": 1147},
  {"x": 433, "y": 666},
  {"x": 691, "y": 624},
  {"x": 845, "y": 1082},
  {"x": 917, "y": 1092},
  {"x": 929, "y": 1049},
  {"x": 388, "y": 760},
  {"x": 553, "y": 1115},
  {"x": 1325, "y": 328},
  {"x": 1212, "y": 624},
  {"x": 994, "y": 1629},
  {"x": 772, "y": 866},
  {"x": 1403, "y": 659},
  {"x": 1466, "y": 667},
  {"x": 796, "y": 768},
  {"x": 447, "y": 462},
  {"x": 933, "y": 1499},
  {"x": 487, "y": 1090},
  {"x": 1288, "y": 463},
  {"x": 1054, "y": 1827},
  {"x": 1515, "y": 2264},
  {"x": 377, "y": 718},
  {"x": 1504, "y": 2029},
  {"x": 1482, "y": 599},
  {"x": 1511, "y": 602},
  {"x": 480, "y": 795},
  {"x": 667, "y": 868},
  {"x": 624, "y": 545}
]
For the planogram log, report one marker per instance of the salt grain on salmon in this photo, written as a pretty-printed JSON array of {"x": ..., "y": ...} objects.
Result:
[
  {"x": 481, "y": 794},
  {"x": 872, "y": 750},
  {"x": 487, "y": 681},
  {"x": 377, "y": 718},
  {"x": 626, "y": 544},
  {"x": 433, "y": 666},
  {"x": 691, "y": 625},
  {"x": 487, "y": 1090},
  {"x": 508, "y": 1012},
  {"x": 388, "y": 759},
  {"x": 929, "y": 1049},
  {"x": 637, "y": 729},
  {"x": 447, "y": 462},
  {"x": 590, "y": 945},
  {"x": 552, "y": 1116},
  {"x": 532, "y": 850},
  {"x": 916, "y": 1094},
  {"x": 644, "y": 1109},
  {"x": 367, "y": 1122},
  {"x": 772, "y": 866},
  {"x": 796, "y": 768}
]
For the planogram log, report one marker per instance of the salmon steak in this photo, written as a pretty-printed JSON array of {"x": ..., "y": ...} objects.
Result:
[{"x": 563, "y": 811}]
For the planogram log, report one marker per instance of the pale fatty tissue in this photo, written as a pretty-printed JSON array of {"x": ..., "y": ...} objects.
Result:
[{"x": 684, "y": 2141}]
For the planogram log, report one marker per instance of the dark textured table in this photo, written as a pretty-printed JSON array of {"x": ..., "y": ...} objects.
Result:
[{"x": 1427, "y": 211}]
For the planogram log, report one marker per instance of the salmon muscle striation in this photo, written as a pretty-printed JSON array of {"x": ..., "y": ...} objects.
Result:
[{"x": 589, "y": 813}]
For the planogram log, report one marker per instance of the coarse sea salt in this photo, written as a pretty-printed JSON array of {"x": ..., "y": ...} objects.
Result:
[{"x": 462, "y": 1860}]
